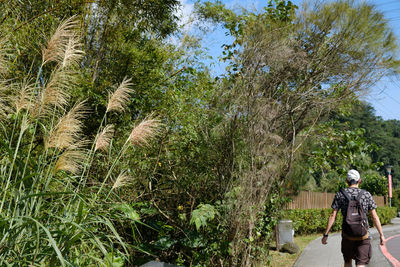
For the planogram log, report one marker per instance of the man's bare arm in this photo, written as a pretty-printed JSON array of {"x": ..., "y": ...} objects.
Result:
[
  {"x": 378, "y": 226},
  {"x": 331, "y": 221}
]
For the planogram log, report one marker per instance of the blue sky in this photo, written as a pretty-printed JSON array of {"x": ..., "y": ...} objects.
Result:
[{"x": 384, "y": 96}]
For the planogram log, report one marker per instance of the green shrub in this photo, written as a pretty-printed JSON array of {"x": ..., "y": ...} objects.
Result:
[
  {"x": 311, "y": 221},
  {"x": 385, "y": 214}
]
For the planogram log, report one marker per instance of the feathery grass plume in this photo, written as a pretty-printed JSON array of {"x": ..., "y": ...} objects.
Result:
[
  {"x": 67, "y": 132},
  {"x": 70, "y": 161},
  {"x": 55, "y": 50},
  {"x": 24, "y": 97},
  {"x": 104, "y": 138},
  {"x": 4, "y": 100},
  {"x": 72, "y": 53},
  {"x": 3, "y": 61},
  {"x": 117, "y": 100},
  {"x": 122, "y": 180},
  {"x": 144, "y": 131},
  {"x": 54, "y": 94}
]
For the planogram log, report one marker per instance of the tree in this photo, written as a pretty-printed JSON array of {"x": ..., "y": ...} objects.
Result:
[
  {"x": 287, "y": 70},
  {"x": 382, "y": 134}
]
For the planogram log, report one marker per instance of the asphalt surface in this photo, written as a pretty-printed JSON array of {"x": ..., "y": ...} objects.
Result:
[
  {"x": 393, "y": 247},
  {"x": 329, "y": 255}
]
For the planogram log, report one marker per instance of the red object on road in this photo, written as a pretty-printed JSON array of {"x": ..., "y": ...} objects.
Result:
[
  {"x": 390, "y": 185},
  {"x": 389, "y": 256}
]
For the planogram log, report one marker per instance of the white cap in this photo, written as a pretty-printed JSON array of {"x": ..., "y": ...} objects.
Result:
[{"x": 353, "y": 175}]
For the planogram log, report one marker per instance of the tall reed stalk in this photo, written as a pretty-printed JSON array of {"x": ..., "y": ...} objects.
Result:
[{"x": 49, "y": 215}]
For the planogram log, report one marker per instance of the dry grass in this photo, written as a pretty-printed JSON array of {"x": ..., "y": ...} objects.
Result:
[
  {"x": 104, "y": 138},
  {"x": 4, "y": 100},
  {"x": 280, "y": 259},
  {"x": 72, "y": 53},
  {"x": 66, "y": 134},
  {"x": 24, "y": 97},
  {"x": 122, "y": 180},
  {"x": 144, "y": 131},
  {"x": 70, "y": 161},
  {"x": 117, "y": 101},
  {"x": 3, "y": 62},
  {"x": 56, "y": 46},
  {"x": 54, "y": 94}
]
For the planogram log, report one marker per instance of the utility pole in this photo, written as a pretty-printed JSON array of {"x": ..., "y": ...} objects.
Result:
[{"x": 389, "y": 172}]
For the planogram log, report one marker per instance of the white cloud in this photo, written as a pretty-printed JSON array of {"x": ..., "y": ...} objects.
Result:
[
  {"x": 247, "y": 4},
  {"x": 184, "y": 14}
]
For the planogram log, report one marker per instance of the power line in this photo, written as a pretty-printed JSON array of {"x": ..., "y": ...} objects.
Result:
[
  {"x": 391, "y": 115},
  {"x": 390, "y": 97},
  {"x": 385, "y": 110}
]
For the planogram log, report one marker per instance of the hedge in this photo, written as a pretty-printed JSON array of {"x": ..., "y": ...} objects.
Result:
[{"x": 311, "y": 221}]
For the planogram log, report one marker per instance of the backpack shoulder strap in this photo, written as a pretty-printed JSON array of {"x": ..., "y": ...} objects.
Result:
[
  {"x": 360, "y": 194},
  {"x": 345, "y": 194}
]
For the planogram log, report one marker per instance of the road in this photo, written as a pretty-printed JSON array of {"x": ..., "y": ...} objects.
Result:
[
  {"x": 392, "y": 249},
  {"x": 316, "y": 254}
]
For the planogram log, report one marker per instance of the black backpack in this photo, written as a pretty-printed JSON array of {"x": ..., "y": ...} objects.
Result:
[{"x": 355, "y": 223}]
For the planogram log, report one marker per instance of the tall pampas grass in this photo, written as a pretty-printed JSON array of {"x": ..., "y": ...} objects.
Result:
[
  {"x": 144, "y": 131},
  {"x": 56, "y": 46},
  {"x": 24, "y": 97},
  {"x": 67, "y": 132},
  {"x": 64, "y": 47},
  {"x": 55, "y": 91},
  {"x": 103, "y": 139},
  {"x": 72, "y": 53},
  {"x": 70, "y": 161},
  {"x": 3, "y": 62},
  {"x": 117, "y": 101},
  {"x": 47, "y": 151},
  {"x": 4, "y": 100},
  {"x": 122, "y": 180}
]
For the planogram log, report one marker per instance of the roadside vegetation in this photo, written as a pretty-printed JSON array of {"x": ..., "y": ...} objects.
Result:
[
  {"x": 287, "y": 260},
  {"x": 117, "y": 146}
]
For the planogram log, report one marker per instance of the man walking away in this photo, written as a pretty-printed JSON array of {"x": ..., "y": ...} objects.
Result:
[{"x": 354, "y": 204}]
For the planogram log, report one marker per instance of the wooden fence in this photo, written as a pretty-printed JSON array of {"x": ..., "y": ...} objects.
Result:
[{"x": 316, "y": 200}]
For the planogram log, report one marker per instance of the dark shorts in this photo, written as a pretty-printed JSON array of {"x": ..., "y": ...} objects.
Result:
[{"x": 360, "y": 251}]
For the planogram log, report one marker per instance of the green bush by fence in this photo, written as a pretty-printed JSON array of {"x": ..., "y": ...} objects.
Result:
[
  {"x": 314, "y": 220},
  {"x": 385, "y": 214}
]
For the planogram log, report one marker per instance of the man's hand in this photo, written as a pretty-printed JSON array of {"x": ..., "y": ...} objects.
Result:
[
  {"x": 383, "y": 240},
  {"x": 378, "y": 226},
  {"x": 331, "y": 221}
]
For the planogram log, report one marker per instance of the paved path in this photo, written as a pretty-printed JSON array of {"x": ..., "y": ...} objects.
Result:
[
  {"x": 392, "y": 250},
  {"x": 316, "y": 254}
]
